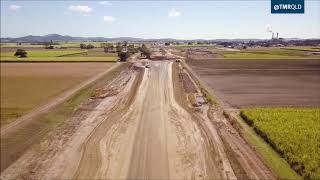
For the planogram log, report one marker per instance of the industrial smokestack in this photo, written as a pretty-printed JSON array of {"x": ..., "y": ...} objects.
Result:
[
  {"x": 272, "y": 35},
  {"x": 277, "y": 35}
]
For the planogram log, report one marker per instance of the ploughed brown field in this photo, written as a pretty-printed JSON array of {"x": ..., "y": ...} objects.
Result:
[
  {"x": 25, "y": 86},
  {"x": 248, "y": 83}
]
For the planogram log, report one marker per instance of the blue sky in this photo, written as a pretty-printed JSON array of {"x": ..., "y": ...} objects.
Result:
[{"x": 157, "y": 19}]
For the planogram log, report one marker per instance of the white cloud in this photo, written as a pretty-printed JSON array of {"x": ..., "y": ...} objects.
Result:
[
  {"x": 234, "y": 34},
  {"x": 174, "y": 13},
  {"x": 14, "y": 7},
  {"x": 269, "y": 27},
  {"x": 109, "y": 19},
  {"x": 105, "y": 3},
  {"x": 80, "y": 9}
]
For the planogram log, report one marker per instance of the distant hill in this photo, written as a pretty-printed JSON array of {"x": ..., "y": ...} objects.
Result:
[{"x": 58, "y": 37}]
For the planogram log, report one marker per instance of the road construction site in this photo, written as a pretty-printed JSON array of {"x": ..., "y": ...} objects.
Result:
[{"x": 146, "y": 123}]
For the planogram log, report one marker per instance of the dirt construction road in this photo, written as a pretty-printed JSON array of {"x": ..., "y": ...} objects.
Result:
[
  {"x": 153, "y": 139},
  {"x": 141, "y": 133}
]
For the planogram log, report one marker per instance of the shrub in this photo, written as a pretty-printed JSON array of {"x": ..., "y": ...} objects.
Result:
[
  {"x": 123, "y": 56},
  {"x": 20, "y": 53}
]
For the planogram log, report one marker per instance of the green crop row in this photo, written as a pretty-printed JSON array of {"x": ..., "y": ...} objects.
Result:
[{"x": 292, "y": 132}]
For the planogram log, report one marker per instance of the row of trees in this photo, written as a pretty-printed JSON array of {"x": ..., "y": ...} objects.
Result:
[
  {"x": 84, "y": 46},
  {"x": 110, "y": 48},
  {"x": 125, "y": 50},
  {"x": 145, "y": 51}
]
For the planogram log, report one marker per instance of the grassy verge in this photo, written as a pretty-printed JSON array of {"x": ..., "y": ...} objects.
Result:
[
  {"x": 13, "y": 145},
  {"x": 293, "y": 132}
]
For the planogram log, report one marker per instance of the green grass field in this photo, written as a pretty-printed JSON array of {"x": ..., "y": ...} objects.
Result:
[
  {"x": 61, "y": 44},
  {"x": 61, "y": 55},
  {"x": 303, "y": 48},
  {"x": 269, "y": 53},
  {"x": 48, "y": 53},
  {"x": 77, "y": 44},
  {"x": 298, "y": 52},
  {"x": 293, "y": 132},
  {"x": 23, "y": 45},
  {"x": 92, "y": 53}
]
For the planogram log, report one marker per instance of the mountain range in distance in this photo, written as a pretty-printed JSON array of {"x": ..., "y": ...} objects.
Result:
[{"x": 58, "y": 37}]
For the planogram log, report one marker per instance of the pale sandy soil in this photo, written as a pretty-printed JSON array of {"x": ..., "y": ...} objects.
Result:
[{"x": 142, "y": 133}]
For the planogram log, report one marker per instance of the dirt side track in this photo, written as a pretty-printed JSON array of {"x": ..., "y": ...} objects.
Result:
[{"x": 140, "y": 133}]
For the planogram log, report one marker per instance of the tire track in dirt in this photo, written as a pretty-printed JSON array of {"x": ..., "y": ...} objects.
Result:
[
  {"x": 250, "y": 162},
  {"x": 126, "y": 82},
  {"x": 103, "y": 146},
  {"x": 168, "y": 143}
]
